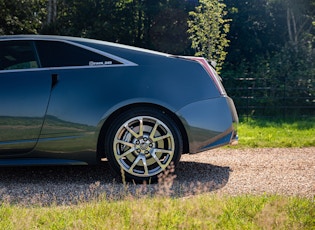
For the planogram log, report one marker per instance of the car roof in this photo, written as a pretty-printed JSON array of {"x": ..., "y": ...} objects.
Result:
[{"x": 80, "y": 40}]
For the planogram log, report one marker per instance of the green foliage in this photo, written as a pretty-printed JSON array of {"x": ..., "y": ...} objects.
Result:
[
  {"x": 148, "y": 24},
  {"x": 208, "y": 31},
  {"x": 270, "y": 68},
  {"x": 199, "y": 212},
  {"x": 21, "y": 16},
  {"x": 277, "y": 86}
]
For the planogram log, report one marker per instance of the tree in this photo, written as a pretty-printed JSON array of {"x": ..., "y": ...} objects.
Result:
[
  {"x": 21, "y": 16},
  {"x": 208, "y": 30},
  {"x": 152, "y": 24},
  {"x": 272, "y": 45},
  {"x": 168, "y": 27},
  {"x": 299, "y": 16},
  {"x": 51, "y": 11}
]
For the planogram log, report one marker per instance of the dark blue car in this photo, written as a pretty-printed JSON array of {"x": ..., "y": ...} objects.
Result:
[{"x": 76, "y": 101}]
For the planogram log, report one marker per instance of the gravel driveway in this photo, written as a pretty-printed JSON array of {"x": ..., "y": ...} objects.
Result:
[{"x": 287, "y": 171}]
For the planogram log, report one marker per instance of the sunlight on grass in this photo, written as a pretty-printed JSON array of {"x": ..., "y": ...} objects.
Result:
[
  {"x": 261, "y": 133},
  {"x": 198, "y": 212}
]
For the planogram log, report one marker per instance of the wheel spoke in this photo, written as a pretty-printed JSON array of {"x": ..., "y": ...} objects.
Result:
[
  {"x": 126, "y": 153},
  {"x": 152, "y": 134},
  {"x": 134, "y": 164},
  {"x": 133, "y": 133},
  {"x": 137, "y": 160},
  {"x": 171, "y": 152},
  {"x": 141, "y": 127},
  {"x": 145, "y": 166},
  {"x": 157, "y": 160},
  {"x": 161, "y": 137},
  {"x": 124, "y": 143}
]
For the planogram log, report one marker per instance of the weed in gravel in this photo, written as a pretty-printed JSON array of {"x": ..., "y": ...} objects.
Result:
[{"x": 166, "y": 181}]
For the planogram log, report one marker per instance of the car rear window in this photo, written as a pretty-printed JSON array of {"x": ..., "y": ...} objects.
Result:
[
  {"x": 17, "y": 55},
  {"x": 62, "y": 54}
]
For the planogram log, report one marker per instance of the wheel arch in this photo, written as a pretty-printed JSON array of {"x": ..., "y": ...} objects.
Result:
[{"x": 103, "y": 132}]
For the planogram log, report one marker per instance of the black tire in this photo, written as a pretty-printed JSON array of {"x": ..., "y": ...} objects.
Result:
[{"x": 141, "y": 143}]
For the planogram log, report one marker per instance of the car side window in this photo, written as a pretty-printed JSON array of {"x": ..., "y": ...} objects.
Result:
[
  {"x": 17, "y": 55},
  {"x": 62, "y": 54}
]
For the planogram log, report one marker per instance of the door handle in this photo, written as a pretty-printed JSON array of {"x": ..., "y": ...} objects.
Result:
[{"x": 54, "y": 80}]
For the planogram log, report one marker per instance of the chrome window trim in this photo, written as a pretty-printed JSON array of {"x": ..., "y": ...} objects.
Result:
[
  {"x": 124, "y": 62},
  {"x": 66, "y": 67}
]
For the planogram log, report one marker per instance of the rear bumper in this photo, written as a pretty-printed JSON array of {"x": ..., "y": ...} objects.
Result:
[
  {"x": 210, "y": 123},
  {"x": 234, "y": 139}
]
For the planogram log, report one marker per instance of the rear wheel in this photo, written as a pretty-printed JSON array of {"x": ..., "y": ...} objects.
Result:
[{"x": 142, "y": 142}]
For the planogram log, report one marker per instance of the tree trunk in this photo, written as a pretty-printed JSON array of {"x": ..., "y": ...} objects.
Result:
[{"x": 51, "y": 11}]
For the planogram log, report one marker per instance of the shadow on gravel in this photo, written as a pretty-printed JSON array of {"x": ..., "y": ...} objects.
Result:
[{"x": 74, "y": 184}]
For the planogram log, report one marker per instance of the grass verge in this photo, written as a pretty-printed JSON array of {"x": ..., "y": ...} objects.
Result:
[
  {"x": 276, "y": 133},
  {"x": 198, "y": 212}
]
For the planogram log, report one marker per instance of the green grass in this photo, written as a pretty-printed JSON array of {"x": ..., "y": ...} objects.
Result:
[
  {"x": 199, "y": 212},
  {"x": 276, "y": 133}
]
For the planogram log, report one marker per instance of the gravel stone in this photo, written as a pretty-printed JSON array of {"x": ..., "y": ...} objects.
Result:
[{"x": 282, "y": 171}]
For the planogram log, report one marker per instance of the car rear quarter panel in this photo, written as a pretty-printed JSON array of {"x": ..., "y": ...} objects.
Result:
[
  {"x": 209, "y": 123},
  {"x": 84, "y": 98}
]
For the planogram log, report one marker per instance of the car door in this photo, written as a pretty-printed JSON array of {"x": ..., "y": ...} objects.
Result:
[{"x": 24, "y": 95}]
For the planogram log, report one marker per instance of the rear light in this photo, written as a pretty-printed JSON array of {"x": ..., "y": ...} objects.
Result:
[{"x": 210, "y": 70}]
